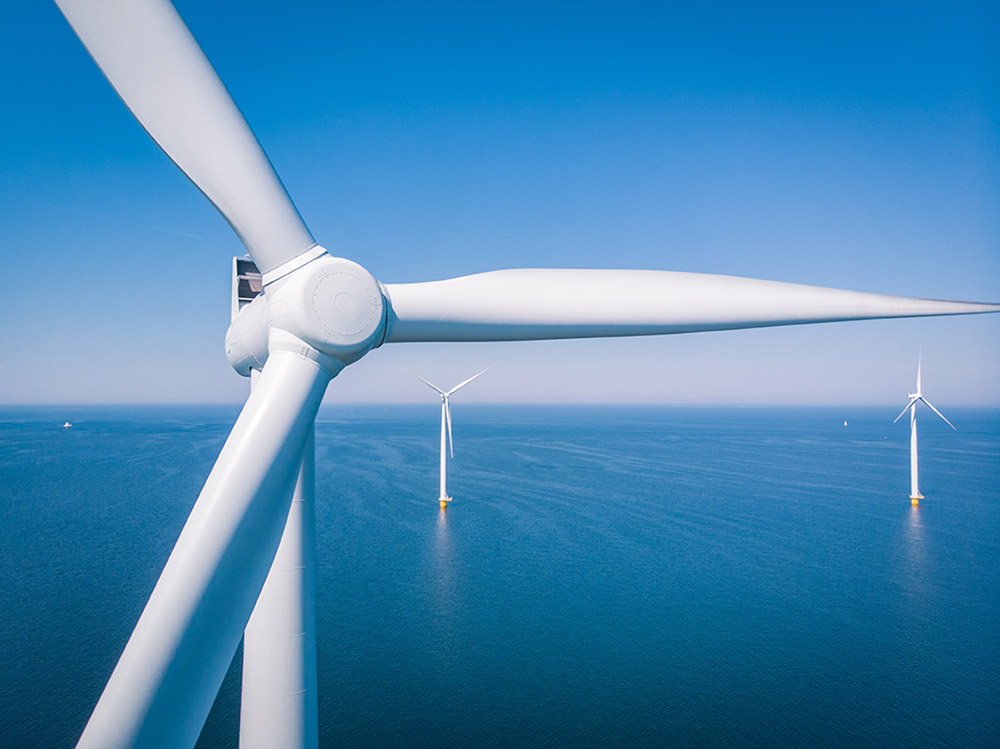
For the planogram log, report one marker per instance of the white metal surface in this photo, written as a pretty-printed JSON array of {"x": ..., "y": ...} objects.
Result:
[
  {"x": 931, "y": 407},
  {"x": 535, "y": 304},
  {"x": 447, "y": 414},
  {"x": 167, "y": 677},
  {"x": 444, "y": 457},
  {"x": 463, "y": 383},
  {"x": 156, "y": 66},
  {"x": 332, "y": 304},
  {"x": 247, "y": 337},
  {"x": 279, "y": 705}
]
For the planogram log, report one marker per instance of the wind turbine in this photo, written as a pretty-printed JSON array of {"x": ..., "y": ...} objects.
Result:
[
  {"x": 917, "y": 397},
  {"x": 445, "y": 423},
  {"x": 244, "y": 553}
]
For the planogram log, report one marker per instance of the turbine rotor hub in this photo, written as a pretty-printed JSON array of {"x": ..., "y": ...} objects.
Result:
[{"x": 330, "y": 304}]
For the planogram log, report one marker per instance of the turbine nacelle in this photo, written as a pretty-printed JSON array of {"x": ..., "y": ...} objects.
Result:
[
  {"x": 328, "y": 304},
  {"x": 246, "y": 339}
]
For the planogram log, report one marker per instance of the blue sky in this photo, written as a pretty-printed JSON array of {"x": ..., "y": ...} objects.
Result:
[{"x": 854, "y": 146}]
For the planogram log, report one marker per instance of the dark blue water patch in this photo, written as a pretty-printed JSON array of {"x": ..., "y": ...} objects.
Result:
[{"x": 604, "y": 576}]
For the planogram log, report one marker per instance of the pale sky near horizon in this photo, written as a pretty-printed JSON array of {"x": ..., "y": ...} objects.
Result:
[{"x": 850, "y": 145}]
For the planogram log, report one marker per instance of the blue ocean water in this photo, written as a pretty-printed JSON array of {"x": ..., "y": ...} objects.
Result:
[{"x": 605, "y": 576}]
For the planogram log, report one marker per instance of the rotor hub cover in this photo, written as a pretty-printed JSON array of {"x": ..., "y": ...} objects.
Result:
[{"x": 332, "y": 304}]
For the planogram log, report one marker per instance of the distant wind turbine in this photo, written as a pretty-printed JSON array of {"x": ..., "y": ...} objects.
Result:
[
  {"x": 915, "y": 495},
  {"x": 445, "y": 425}
]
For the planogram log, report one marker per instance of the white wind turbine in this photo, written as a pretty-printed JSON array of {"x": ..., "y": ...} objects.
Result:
[
  {"x": 245, "y": 552},
  {"x": 445, "y": 425},
  {"x": 917, "y": 397}
]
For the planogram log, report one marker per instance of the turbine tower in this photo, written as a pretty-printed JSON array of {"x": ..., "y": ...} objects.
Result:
[
  {"x": 317, "y": 314},
  {"x": 915, "y": 495},
  {"x": 445, "y": 424}
]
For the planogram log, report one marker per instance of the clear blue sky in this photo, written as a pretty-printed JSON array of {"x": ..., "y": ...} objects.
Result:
[{"x": 847, "y": 145}]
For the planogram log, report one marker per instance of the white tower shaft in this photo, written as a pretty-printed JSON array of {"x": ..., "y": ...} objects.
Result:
[
  {"x": 915, "y": 494},
  {"x": 444, "y": 498},
  {"x": 279, "y": 695}
]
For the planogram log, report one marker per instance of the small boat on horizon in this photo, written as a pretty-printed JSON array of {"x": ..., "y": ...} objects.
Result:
[{"x": 67, "y": 425}]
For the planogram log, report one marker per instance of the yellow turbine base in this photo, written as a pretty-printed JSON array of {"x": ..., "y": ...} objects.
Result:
[
  {"x": 915, "y": 500},
  {"x": 444, "y": 503}
]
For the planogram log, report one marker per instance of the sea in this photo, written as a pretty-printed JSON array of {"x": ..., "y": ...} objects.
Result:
[{"x": 606, "y": 576}]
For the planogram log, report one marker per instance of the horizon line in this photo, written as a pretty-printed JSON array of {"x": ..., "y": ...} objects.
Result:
[{"x": 542, "y": 404}]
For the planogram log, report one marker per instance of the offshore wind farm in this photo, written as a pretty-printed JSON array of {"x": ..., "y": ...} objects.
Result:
[
  {"x": 608, "y": 574},
  {"x": 319, "y": 316}
]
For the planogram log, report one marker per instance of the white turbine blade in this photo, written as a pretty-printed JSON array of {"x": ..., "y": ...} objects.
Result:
[
  {"x": 537, "y": 304},
  {"x": 447, "y": 411},
  {"x": 167, "y": 677},
  {"x": 920, "y": 358},
  {"x": 428, "y": 384},
  {"x": 461, "y": 385},
  {"x": 931, "y": 407},
  {"x": 156, "y": 66},
  {"x": 908, "y": 407}
]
